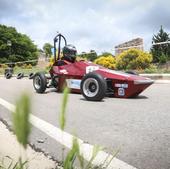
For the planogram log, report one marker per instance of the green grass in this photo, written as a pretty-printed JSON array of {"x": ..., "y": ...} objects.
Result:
[
  {"x": 22, "y": 129},
  {"x": 27, "y": 71},
  {"x": 155, "y": 70}
]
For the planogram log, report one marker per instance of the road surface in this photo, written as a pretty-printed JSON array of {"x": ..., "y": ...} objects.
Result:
[{"x": 139, "y": 128}]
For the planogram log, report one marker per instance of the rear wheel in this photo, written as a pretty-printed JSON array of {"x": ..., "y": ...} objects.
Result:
[
  {"x": 40, "y": 82},
  {"x": 93, "y": 87}
]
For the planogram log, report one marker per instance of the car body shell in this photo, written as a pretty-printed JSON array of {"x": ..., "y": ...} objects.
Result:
[{"x": 119, "y": 84}]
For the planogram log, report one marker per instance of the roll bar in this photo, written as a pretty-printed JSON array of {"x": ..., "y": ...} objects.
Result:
[{"x": 58, "y": 39}]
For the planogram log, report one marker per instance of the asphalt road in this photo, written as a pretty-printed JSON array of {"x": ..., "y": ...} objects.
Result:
[{"x": 139, "y": 127}]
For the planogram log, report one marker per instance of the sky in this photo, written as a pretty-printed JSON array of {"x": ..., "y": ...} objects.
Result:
[{"x": 90, "y": 24}]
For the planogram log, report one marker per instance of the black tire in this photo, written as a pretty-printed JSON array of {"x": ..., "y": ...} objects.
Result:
[
  {"x": 132, "y": 72},
  {"x": 8, "y": 75},
  {"x": 55, "y": 82},
  {"x": 40, "y": 82},
  {"x": 93, "y": 87},
  {"x": 20, "y": 75},
  {"x": 31, "y": 76}
]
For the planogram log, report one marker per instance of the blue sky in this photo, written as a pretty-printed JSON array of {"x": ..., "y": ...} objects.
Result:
[{"x": 90, "y": 24}]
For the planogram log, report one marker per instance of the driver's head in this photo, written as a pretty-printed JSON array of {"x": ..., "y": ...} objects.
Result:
[{"x": 69, "y": 53}]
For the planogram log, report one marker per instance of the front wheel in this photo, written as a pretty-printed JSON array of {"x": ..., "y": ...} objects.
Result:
[
  {"x": 93, "y": 87},
  {"x": 40, "y": 82}
]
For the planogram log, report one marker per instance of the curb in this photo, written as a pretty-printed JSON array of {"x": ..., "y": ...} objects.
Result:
[{"x": 157, "y": 76}]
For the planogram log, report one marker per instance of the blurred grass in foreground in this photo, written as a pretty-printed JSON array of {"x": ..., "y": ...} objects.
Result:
[{"x": 22, "y": 129}]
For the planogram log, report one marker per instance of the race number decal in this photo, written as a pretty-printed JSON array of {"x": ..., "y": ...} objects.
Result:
[
  {"x": 91, "y": 69},
  {"x": 63, "y": 71},
  {"x": 121, "y": 91},
  {"x": 73, "y": 83}
]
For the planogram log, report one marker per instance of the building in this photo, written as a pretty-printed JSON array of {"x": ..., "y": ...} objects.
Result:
[{"x": 134, "y": 43}]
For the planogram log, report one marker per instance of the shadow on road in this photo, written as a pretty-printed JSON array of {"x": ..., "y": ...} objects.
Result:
[{"x": 139, "y": 97}]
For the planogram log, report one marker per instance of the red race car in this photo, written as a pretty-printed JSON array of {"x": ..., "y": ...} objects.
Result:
[{"x": 94, "y": 82}]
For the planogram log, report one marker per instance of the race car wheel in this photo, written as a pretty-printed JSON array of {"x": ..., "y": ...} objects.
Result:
[
  {"x": 93, "y": 87},
  {"x": 40, "y": 82}
]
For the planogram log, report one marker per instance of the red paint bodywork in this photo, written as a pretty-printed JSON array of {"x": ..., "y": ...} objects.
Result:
[{"x": 136, "y": 84}]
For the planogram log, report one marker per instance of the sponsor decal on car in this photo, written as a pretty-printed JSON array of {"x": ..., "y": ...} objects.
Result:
[
  {"x": 91, "y": 69},
  {"x": 73, "y": 83},
  {"x": 64, "y": 71},
  {"x": 120, "y": 85},
  {"x": 121, "y": 91}
]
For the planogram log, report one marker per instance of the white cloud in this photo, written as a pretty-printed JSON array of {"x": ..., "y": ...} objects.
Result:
[{"x": 91, "y": 24}]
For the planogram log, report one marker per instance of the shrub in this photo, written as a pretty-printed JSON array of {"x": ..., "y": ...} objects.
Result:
[
  {"x": 79, "y": 58},
  {"x": 91, "y": 56},
  {"x": 24, "y": 66},
  {"x": 50, "y": 64},
  {"x": 151, "y": 69},
  {"x": 133, "y": 59},
  {"x": 106, "y": 61},
  {"x": 4, "y": 66},
  {"x": 29, "y": 66},
  {"x": 163, "y": 58}
]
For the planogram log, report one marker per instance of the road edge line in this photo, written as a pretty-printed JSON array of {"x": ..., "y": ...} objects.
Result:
[{"x": 66, "y": 139}]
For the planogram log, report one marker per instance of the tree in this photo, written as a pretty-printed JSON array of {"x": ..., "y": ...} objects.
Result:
[
  {"x": 160, "y": 52},
  {"x": 106, "y": 54},
  {"x": 133, "y": 59},
  {"x": 15, "y": 46},
  {"x": 47, "y": 49},
  {"x": 92, "y": 55}
]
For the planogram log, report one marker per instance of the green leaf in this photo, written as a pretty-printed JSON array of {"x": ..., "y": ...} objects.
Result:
[
  {"x": 71, "y": 156},
  {"x": 96, "y": 149},
  {"x": 21, "y": 123},
  {"x": 62, "y": 118}
]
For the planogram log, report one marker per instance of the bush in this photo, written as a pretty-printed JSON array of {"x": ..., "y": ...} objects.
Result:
[
  {"x": 4, "y": 66},
  {"x": 106, "y": 61},
  {"x": 133, "y": 59},
  {"x": 91, "y": 56},
  {"x": 151, "y": 69},
  {"x": 24, "y": 66},
  {"x": 79, "y": 58},
  {"x": 50, "y": 64},
  {"x": 29, "y": 66},
  {"x": 163, "y": 58}
]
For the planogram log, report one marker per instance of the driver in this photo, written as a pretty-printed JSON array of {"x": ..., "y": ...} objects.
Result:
[{"x": 69, "y": 53}]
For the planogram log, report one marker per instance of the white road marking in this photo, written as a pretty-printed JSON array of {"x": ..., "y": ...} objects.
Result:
[{"x": 66, "y": 139}]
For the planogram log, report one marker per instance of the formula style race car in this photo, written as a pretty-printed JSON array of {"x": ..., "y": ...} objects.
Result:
[{"x": 94, "y": 82}]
